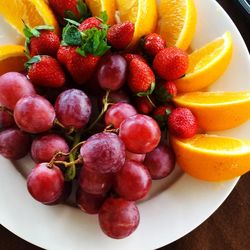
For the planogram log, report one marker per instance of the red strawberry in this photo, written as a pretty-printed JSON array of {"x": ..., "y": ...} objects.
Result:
[
  {"x": 41, "y": 40},
  {"x": 153, "y": 44},
  {"x": 45, "y": 71},
  {"x": 64, "y": 53},
  {"x": 129, "y": 57},
  {"x": 161, "y": 114},
  {"x": 182, "y": 123},
  {"x": 120, "y": 35},
  {"x": 81, "y": 67},
  {"x": 72, "y": 9},
  {"x": 165, "y": 91},
  {"x": 171, "y": 63},
  {"x": 90, "y": 23},
  {"x": 141, "y": 77},
  {"x": 143, "y": 105}
]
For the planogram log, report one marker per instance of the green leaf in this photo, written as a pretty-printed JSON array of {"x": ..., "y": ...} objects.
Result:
[
  {"x": 72, "y": 22},
  {"x": 168, "y": 112},
  {"x": 71, "y": 35},
  {"x": 44, "y": 27},
  {"x": 70, "y": 15},
  {"x": 81, "y": 52},
  {"x": 149, "y": 92},
  {"x": 33, "y": 60},
  {"x": 82, "y": 9},
  {"x": 104, "y": 16},
  {"x": 29, "y": 33}
]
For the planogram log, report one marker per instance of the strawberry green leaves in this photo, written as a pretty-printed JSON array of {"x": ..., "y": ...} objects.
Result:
[
  {"x": 71, "y": 36},
  {"x": 33, "y": 60},
  {"x": 83, "y": 12}
]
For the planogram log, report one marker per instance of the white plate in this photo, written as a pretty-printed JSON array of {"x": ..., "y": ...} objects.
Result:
[{"x": 174, "y": 208}]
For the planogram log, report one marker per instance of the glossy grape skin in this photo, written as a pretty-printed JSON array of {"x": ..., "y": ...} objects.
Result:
[
  {"x": 135, "y": 157},
  {"x": 14, "y": 86},
  {"x": 34, "y": 114},
  {"x": 73, "y": 108},
  {"x": 118, "y": 112},
  {"x": 118, "y": 218},
  {"x": 160, "y": 162},
  {"x": 94, "y": 182},
  {"x": 140, "y": 134},
  {"x": 45, "y": 184},
  {"x": 112, "y": 72},
  {"x": 67, "y": 189},
  {"x": 14, "y": 144},
  {"x": 45, "y": 147},
  {"x": 89, "y": 203},
  {"x": 6, "y": 120},
  {"x": 133, "y": 181},
  {"x": 104, "y": 153}
]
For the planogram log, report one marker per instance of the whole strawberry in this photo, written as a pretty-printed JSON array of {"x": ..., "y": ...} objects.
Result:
[
  {"x": 141, "y": 79},
  {"x": 72, "y": 9},
  {"x": 182, "y": 123},
  {"x": 120, "y": 35},
  {"x": 143, "y": 105},
  {"x": 45, "y": 71},
  {"x": 41, "y": 40},
  {"x": 82, "y": 68},
  {"x": 129, "y": 57},
  {"x": 153, "y": 44},
  {"x": 89, "y": 23},
  {"x": 161, "y": 114},
  {"x": 165, "y": 91},
  {"x": 171, "y": 63}
]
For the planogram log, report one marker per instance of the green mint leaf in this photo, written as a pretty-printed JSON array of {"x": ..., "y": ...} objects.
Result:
[
  {"x": 44, "y": 27},
  {"x": 104, "y": 16},
  {"x": 70, "y": 15},
  {"x": 71, "y": 35},
  {"x": 33, "y": 60},
  {"x": 72, "y": 22},
  {"x": 83, "y": 9}
]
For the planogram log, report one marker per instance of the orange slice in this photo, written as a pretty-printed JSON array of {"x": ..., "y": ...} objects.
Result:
[
  {"x": 32, "y": 12},
  {"x": 177, "y": 22},
  {"x": 207, "y": 64},
  {"x": 143, "y": 13},
  {"x": 98, "y": 6},
  {"x": 217, "y": 110},
  {"x": 12, "y": 58},
  {"x": 212, "y": 158}
]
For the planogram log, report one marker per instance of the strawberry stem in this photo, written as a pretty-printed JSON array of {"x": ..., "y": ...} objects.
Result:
[{"x": 151, "y": 102}]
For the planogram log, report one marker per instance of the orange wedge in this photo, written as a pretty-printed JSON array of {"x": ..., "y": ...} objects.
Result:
[
  {"x": 12, "y": 58},
  {"x": 217, "y": 110},
  {"x": 98, "y": 6},
  {"x": 177, "y": 22},
  {"x": 207, "y": 64},
  {"x": 143, "y": 13},
  {"x": 33, "y": 12},
  {"x": 213, "y": 158}
]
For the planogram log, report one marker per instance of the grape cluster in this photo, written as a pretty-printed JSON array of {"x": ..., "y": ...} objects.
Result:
[{"x": 93, "y": 136}]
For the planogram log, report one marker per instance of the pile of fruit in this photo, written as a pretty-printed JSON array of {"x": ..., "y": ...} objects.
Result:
[{"x": 101, "y": 103}]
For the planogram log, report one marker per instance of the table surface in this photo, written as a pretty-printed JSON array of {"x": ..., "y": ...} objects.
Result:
[{"x": 228, "y": 228}]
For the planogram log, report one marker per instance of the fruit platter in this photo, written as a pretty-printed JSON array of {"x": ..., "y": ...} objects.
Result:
[{"x": 120, "y": 121}]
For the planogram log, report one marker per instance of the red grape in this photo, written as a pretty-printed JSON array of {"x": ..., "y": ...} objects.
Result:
[
  {"x": 118, "y": 112},
  {"x": 94, "y": 182},
  {"x": 14, "y": 144},
  {"x": 45, "y": 184},
  {"x": 73, "y": 108},
  {"x": 140, "y": 134},
  {"x": 34, "y": 114},
  {"x": 160, "y": 162},
  {"x": 89, "y": 203},
  {"x": 6, "y": 120},
  {"x": 118, "y": 218},
  {"x": 135, "y": 157},
  {"x": 133, "y": 181},
  {"x": 112, "y": 72},
  {"x": 14, "y": 86},
  {"x": 45, "y": 147},
  {"x": 104, "y": 153}
]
